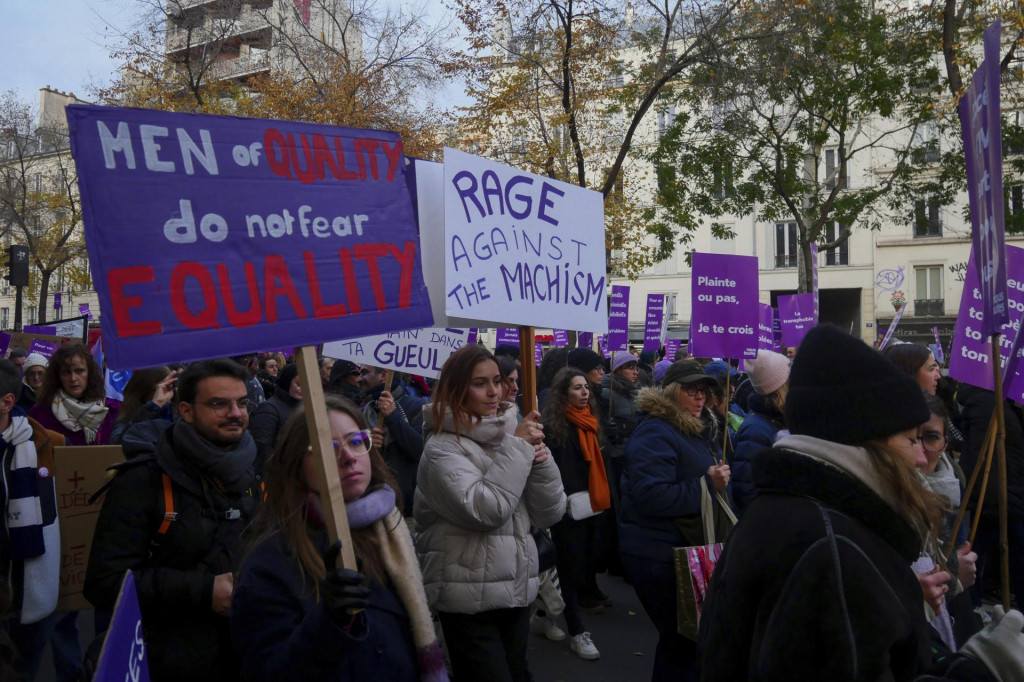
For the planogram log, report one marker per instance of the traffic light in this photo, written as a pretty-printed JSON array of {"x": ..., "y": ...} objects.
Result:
[{"x": 17, "y": 265}]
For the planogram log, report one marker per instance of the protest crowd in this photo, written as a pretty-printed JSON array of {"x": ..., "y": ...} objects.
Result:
[{"x": 832, "y": 477}]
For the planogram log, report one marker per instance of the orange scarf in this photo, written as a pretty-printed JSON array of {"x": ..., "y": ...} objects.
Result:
[{"x": 597, "y": 483}]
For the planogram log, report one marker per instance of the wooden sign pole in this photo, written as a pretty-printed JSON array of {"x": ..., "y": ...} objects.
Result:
[
  {"x": 331, "y": 498},
  {"x": 1004, "y": 543},
  {"x": 725, "y": 417},
  {"x": 528, "y": 370}
]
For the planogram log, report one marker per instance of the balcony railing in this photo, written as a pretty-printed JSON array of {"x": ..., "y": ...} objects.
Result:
[
  {"x": 783, "y": 260},
  {"x": 213, "y": 30},
  {"x": 929, "y": 307},
  {"x": 233, "y": 68}
]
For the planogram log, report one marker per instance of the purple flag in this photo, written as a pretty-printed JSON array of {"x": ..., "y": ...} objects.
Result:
[
  {"x": 192, "y": 263},
  {"x": 507, "y": 336},
  {"x": 672, "y": 347},
  {"x": 584, "y": 339},
  {"x": 724, "y": 321},
  {"x": 618, "y": 319},
  {"x": 654, "y": 323},
  {"x": 796, "y": 316},
  {"x": 561, "y": 338},
  {"x": 969, "y": 354},
  {"x": 979, "y": 120},
  {"x": 538, "y": 352},
  {"x": 765, "y": 337},
  {"x": 124, "y": 655}
]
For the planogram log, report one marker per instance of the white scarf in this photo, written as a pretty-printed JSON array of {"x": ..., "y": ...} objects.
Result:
[
  {"x": 944, "y": 481},
  {"x": 78, "y": 416}
]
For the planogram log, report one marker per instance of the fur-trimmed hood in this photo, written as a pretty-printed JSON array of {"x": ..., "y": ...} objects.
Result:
[{"x": 652, "y": 402}]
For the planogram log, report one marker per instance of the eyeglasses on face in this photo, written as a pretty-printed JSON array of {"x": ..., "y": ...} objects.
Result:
[
  {"x": 692, "y": 391},
  {"x": 222, "y": 406},
  {"x": 356, "y": 444},
  {"x": 933, "y": 441}
]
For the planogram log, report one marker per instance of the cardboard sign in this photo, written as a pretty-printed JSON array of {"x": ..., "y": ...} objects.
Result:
[
  {"x": 80, "y": 472},
  {"x": 724, "y": 323},
  {"x": 618, "y": 319},
  {"x": 24, "y": 340},
  {"x": 983, "y": 152},
  {"x": 796, "y": 317},
  {"x": 123, "y": 657},
  {"x": 417, "y": 351},
  {"x": 521, "y": 248},
  {"x": 654, "y": 322},
  {"x": 219, "y": 236}
]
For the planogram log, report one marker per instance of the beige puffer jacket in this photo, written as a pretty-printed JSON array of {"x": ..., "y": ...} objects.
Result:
[{"x": 476, "y": 497}]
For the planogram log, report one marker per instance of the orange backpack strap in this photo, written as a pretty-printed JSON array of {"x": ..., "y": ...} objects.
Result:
[{"x": 169, "y": 513}]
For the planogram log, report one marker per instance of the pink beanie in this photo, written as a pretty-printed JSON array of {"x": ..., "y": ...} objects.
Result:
[{"x": 767, "y": 372}]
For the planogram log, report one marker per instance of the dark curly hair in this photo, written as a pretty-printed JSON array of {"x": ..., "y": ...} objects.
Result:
[
  {"x": 556, "y": 426},
  {"x": 94, "y": 390}
]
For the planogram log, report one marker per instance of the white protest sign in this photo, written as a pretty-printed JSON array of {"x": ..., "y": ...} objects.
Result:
[
  {"x": 417, "y": 351},
  {"x": 521, "y": 248}
]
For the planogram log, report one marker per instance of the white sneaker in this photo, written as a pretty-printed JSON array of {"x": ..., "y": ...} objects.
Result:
[
  {"x": 584, "y": 647},
  {"x": 547, "y": 627}
]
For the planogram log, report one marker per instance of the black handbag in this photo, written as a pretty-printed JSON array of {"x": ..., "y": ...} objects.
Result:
[{"x": 545, "y": 549}]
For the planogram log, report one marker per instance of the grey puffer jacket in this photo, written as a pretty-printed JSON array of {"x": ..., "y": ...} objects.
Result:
[{"x": 477, "y": 495}]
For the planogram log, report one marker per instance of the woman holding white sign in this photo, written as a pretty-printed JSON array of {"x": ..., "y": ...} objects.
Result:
[
  {"x": 294, "y": 616},
  {"x": 482, "y": 482}
]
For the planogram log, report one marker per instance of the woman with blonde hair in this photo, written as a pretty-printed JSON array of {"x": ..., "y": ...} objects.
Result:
[
  {"x": 483, "y": 481},
  {"x": 294, "y": 615},
  {"x": 815, "y": 581}
]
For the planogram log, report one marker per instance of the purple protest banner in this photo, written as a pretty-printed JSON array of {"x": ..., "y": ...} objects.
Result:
[
  {"x": 969, "y": 353},
  {"x": 538, "y": 352},
  {"x": 602, "y": 344},
  {"x": 672, "y": 347},
  {"x": 124, "y": 654},
  {"x": 979, "y": 121},
  {"x": 44, "y": 348},
  {"x": 724, "y": 320},
  {"x": 56, "y": 301},
  {"x": 796, "y": 317},
  {"x": 5, "y": 343},
  {"x": 471, "y": 339},
  {"x": 654, "y": 322},
  {"x": 585, "y": 340},
  {"x": 765, "y": 337},
  {"x": 689, "y": 345},
  {"x": 777, "y": 331},
  {"x": 507, "y": 336},
  {"x": 561, "y": 338},
  {"x": 618, "y": 319},
  {"x": 46, "y": 329},
  {"x": 84, "y": 310},
  {"x": 196, "y": 264}
]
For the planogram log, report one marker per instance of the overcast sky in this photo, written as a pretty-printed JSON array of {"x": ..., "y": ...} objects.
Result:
[{"x": 65, "y": 44}]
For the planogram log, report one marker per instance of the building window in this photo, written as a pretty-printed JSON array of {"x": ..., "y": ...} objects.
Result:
[
  {"x": 723, "y": 180},
  {"x": 928, "y": 296},
  {"x": 786, "y": 250},
  {"x": 927, "y": 221},
  {"x": 840, "y": 255},
  {"x": 665, "y": 119},
  {"x": 925, "y": 144},
  {"x": 31, "y": 314},
  {"x": 1014, "y": 209},
  {"x": 5, "y": 318},
  {"x": 835, "y": 169}
]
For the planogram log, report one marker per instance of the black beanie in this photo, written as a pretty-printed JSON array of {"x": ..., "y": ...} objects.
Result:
[
  {"x": 285, "y": 376},
  {"x": 844, "y": 391},
  {"x": 584, "y": 359}
]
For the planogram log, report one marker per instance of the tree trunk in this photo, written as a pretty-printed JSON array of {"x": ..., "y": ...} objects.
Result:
[
  {"x": 44, "y": 289},
  {"x": 805, "y": 273}
]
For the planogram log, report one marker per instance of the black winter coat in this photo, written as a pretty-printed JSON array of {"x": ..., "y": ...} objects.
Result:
[
  {"x": 174, "y": 572},
  {"x": 283, "y": 634},
  {"x": 266, "y": 422},
  {"x": 404, "y": 429},
  {"x": 977, "y": 409},
  {"x": 815, "y": 584}
]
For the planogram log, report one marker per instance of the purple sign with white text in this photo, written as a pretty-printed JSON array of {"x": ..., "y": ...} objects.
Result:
[
  {"x": 538, "y": 352},
  {"x": 585, "y": 339},
  {"x": 724, "y": 321},
  {"x": 197, "y": 264},
  {"x": 979, "y": 120},
  {"x": 796, "y": 316},
  {"x": 507, "y": 336},
  {"x": 672, "y": 347},
  {"x": 618, "y": 319},
  {"x": 969, "y": 353},
  {"x": 124, "y": 655},
  {"x": 561, "y": 338},
  {"x": 44, "y": 348},
  {"x": 602, "y": 344},
  {"x": 654, "y": 323},
  {"x": 765, "y": 337}
]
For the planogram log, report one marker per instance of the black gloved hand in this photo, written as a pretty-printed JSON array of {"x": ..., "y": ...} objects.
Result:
[{"x": 343, "y": 591}]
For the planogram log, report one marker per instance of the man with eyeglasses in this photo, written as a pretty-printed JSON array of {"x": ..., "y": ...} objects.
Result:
[{"x": 174, "y": 517}]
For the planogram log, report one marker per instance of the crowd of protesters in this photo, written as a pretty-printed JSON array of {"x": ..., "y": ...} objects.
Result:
[{"x": 845, "y": 467}]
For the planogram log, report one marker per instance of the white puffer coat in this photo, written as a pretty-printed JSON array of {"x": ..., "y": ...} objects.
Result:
[{"x": 476, "y": 497}]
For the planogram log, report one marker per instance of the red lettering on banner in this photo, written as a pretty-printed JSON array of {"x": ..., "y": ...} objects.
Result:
[
  {"x": 320, "y": 311},
  {"x": 255, "y": 312},
  {"x": 407, "y": 259},
  {"x": 279, "y": 166},
  {"x": 307, "y": 175},
  {"x": 346, "y": 174},
  {"x": 394, "y": 155},
  {"x": 276, "y": 270},
  {"x": 365, "y": 149},
  {"x": 205, "y": 318},
  {"x": 351, "y": 283},
  {"x": 370, "y": 253},
  {"x": 122, "y": 305}
]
